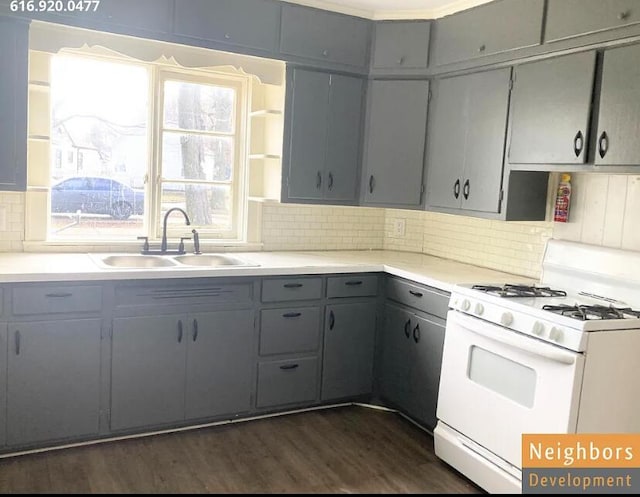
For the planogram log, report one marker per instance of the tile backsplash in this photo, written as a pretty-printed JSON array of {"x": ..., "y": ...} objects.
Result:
[
  {"x": 513, "y": 247},
  {"x": 11, "y": 221},
  {"x": 302, "y": 227}
]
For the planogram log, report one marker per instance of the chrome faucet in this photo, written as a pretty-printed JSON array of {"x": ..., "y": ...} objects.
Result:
[{"x": 163, "y": 246}]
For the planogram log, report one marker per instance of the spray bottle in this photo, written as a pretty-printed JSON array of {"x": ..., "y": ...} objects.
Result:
[{"x": 563, "y": 200}]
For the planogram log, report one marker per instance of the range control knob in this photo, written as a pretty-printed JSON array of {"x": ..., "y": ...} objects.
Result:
[
  {"x": 538, "y": 328},
  {"x": 556, "y": 334},
  {"x": 479, "y": 309},
  {"x": 465, "y": 305},
  {"x": 506, "y": 319}
]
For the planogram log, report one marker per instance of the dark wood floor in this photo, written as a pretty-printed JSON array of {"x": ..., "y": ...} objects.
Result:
[{"x": 342, "y": 450}]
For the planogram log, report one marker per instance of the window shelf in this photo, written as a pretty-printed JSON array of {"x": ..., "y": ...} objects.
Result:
[
  {"x": 264, "y": 156},
  {"x": 266, "y": 112},
  {"x": 39, "y": 86},
  {"x": 265, "y": 200}
]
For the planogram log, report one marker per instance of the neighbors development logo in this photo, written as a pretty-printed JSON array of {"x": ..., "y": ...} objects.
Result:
[{"x": 584, "y": 463}]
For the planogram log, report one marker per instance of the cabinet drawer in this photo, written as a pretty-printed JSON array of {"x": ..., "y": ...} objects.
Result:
[
  {"x": 425, "y": 299},
  {"x": 246, "y": 23},
  {"x": 288, "y": 330},
  {"x": 492, "y": 28},
  {"x": 401, "y": 45},
  {"x": 359, "y": 285},
  {"x": 569, "y": 18},
  {"x": 56, "y": 299},
  {"x": 168, "y": 293},
  {"x": 287, "y": 382},
  {"x": 274, "y": 290},
  {"x": 323, "y": 35}
]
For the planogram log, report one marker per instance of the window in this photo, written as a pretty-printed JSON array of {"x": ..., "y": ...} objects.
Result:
[{"x": 141, "y": 138}]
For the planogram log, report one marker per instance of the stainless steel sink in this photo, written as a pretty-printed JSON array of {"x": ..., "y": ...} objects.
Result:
[
  {"x": 211, "y": 260},
  {"x": 136, "y": 261}
]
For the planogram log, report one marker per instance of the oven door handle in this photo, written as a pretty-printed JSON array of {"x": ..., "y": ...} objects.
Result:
[{"x": 513, "y": 339}]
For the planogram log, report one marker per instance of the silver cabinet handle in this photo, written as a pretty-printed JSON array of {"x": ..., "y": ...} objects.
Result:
[
  {"x": 179, "y": 330},
  {"x": 195, "y": 330},
  {"x": 59, "y": 295},
  {"x": 17, "y": 338}
]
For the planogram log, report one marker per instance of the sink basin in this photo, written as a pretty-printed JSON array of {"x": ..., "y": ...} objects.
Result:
[
  {"x": 136, "y": 261},
  {"x": 211, "y": 260}
]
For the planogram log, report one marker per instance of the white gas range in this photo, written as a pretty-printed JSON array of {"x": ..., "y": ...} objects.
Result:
[{"x": 539, "y": 359}]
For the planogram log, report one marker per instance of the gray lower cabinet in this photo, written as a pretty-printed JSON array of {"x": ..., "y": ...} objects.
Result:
[
  {"x": 468, "y": 123},
  {"x": 287, "y": 381},
  {"x": 323, "y": 137},
  {"x": 3, "y": 381},
  {"x": 166, "y": 369},
  {"x": 410, "y": 362},
  {"x": 495, "y": 27},
  {"x": 551, "y": 110},
  {"x": 246, "y": 23},
  {"x": 619, "y": 111},
  {"x": 349, "y": 341},
  {"x": 570, "y": 18},
  {"x": 395, "y": 143},
  {"x": 53, "y": 380},
  {"x": 14, "y": 40}
]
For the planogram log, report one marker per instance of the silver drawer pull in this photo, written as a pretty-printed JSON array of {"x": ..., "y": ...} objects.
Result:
[
  {"x": 289, "y": 367},
  {"x": 415, "y": 294},
  {"x": 353, "y": 283},
  {"x": 59, "y": 295}
]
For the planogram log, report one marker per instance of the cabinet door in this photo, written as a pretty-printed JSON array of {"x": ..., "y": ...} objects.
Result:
[
  {"x": 394, "y": 376},
  {"x": 147, "y": 371},
  {"x": 344, "y": 138},
  {"x": 427, "y": 339},
  {"x": 569, "y": 18},
  {"x": 53, "y": 387},
  {"x": 323, "y": 35},
  {"x": 247, "y": 23},
  {"x": 150, "y": 15},
  {"x": 219, "y": 363},
  {"x": 401, "y": 45},
  {"x": 551, "y": 105},
  {"x": 14, "y": 40},
  {"x": 3, "y": 382},
  {"x": 396, "y": 126},
  {"x": 619, "y": 114},
  {"x": 349, "y": 340},
  {"x": 447, "y": 140},
  {"x": 496, "y": 27},
  {"x": 308, "y": 134},
  {"x": 488, "y": 104}
]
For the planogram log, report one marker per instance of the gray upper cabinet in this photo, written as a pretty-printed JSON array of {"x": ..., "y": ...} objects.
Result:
[
  {"x": 14, "y": 40},
  {"x": 246, "y": 23},
  {"x": 551, "y": 109},
  {"x": 466, "y": 141},
  {"x": 349, "y": 341},
  {"x": 496, "y": 27},
  {"x": 570, "y": 18},
  {"x": 53, "y": 380},
  {"x": 400, "y": 45},
  {"x": 619, "y": 112},
  {"x": 324, "y": 36},
  {"x": 322, "y": 148},
  {"x": 394, "y": 144}
]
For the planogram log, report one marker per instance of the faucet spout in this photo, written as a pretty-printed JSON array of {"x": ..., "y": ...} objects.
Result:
[{"x": 163, "y": 246}]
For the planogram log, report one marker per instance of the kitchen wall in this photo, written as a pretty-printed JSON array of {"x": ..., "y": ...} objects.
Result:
[
  {"x": 513, "y": 247},
  {"x": 605, "y": 210}
]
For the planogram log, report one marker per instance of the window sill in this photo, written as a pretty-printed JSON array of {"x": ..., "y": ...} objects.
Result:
[{"x": 206, "y": 246}]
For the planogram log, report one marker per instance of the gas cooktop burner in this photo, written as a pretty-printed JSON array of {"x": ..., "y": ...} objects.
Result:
[
  {"x": 587, "y": 312},
  {"x": 519, "y": 291}
]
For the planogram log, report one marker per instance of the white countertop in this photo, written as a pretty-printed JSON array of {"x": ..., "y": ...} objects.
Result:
[{"x": 426, "y": 269}]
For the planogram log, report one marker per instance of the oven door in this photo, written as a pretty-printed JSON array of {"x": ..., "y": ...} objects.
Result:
[{"x": 497, "y": 384}]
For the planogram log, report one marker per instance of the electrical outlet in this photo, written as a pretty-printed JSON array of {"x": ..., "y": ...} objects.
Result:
[{"x": 399, "y": 227}]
